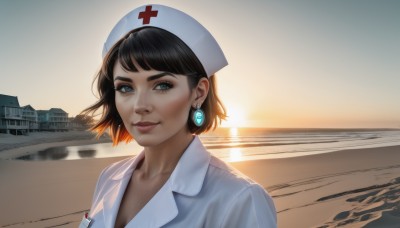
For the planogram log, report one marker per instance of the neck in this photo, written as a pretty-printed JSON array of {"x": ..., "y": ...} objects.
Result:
[{"x": 162, "y": 159}]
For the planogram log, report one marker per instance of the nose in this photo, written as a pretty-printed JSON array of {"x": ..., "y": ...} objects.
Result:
[{"x": 141, "y": 103}]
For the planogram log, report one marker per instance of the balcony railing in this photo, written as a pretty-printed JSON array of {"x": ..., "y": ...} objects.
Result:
[
  {"x": 14, "y": 127},
  {"x": 16, "y": 117}
]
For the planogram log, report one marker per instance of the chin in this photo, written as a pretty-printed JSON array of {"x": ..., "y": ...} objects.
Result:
[{"x": 148, "y": 140}]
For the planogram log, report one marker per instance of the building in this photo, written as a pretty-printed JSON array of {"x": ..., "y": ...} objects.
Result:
[
  {"x": 54, "y": 119},
  {"x": 30, "y": 114},
  {"x": 18, "y": 120},
  {"x": 12, "y": 120}
]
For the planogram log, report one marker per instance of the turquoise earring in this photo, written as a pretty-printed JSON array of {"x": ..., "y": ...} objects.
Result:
[{"x": 198, "y": 116}]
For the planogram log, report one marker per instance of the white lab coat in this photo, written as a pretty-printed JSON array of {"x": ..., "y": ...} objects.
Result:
[{"x": 202, "y": 191}]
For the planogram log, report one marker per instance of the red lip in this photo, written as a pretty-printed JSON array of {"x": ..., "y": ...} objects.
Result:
[
  {"x": 144, "y": 127},
  {"x": 144, "y": 123}
]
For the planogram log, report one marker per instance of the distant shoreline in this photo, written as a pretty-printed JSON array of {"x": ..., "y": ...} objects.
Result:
[{"x": 12, "y": 146}]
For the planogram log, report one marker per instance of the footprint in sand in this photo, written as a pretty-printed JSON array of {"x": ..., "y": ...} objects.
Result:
[
  {"x": 342, "y": 215},
  {"x": 372, "y": 208}
]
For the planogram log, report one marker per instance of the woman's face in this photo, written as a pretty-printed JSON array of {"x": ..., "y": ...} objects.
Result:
[{"x": 154, "y": 106}]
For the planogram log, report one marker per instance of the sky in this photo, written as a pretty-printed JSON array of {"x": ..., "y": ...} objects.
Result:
[{"x": 306, "y": 64}]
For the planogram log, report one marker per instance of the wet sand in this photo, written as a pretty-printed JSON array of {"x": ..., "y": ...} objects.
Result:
[{"x": 12, "y": 146}]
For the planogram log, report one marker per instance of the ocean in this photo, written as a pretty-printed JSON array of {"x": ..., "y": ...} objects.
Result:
[{"x": 239, "y": 144}]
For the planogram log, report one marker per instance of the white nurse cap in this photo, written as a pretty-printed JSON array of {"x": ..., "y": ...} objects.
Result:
[{"x": 198, "y": 38}]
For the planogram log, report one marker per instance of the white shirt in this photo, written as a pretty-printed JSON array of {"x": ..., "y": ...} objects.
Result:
[{"x": 202, "y": 191}]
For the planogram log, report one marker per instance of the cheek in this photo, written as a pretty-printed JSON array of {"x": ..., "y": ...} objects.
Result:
[
  {"x": 176, "y": 108},
  {"x": 119, "y": 104}
]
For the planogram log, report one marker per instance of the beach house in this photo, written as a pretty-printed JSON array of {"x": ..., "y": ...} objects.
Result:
[
  {"x": 54, "y": 119},
  {"x": 30, "y": 114},
  {"x": 12, "y": 120}
]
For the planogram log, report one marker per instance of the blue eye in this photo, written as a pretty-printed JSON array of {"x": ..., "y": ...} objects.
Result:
[
  {"x": 164, "y": 86},
  {"x": 124, "y": 89}
]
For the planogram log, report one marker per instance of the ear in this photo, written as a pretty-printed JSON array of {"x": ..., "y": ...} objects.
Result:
[{"x": 200, "y": 92}]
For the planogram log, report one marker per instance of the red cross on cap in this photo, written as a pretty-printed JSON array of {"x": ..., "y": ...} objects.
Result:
[{"x": 147, "y": 15}]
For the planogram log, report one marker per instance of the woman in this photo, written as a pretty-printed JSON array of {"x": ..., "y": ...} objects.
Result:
[{"x": 157, "y": 87}]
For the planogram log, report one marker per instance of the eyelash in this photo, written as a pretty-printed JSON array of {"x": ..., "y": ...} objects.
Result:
[
  {"x": 169, "y": 86},
  {"x": 120, "y": 87}
]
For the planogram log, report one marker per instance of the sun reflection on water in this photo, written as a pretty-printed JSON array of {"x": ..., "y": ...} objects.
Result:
[{"x": 233, "y": 132}]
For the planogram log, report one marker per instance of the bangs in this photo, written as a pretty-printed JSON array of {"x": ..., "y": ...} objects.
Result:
[{"x": 156, "y": 49}]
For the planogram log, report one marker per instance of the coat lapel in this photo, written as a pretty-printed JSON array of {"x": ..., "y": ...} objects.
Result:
[
  {"x": 190, "y": 172},
  {"x": 160, "y": 210},
  {"x": 117, "y": 185},
  {"x": 112, "y": 200}
]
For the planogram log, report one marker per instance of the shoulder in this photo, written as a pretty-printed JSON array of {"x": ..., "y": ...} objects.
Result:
[
  {"x": 230, "y": 181},
  {"x": 112, "y": 171},
  {"x": 251, "y": 207},
  {"x": 247, "y": 204},
  {"x": 222, "y": 171},
  {"x": 116, "y": 167}
]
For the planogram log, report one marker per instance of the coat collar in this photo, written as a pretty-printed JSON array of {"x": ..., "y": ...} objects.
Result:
[
  {"x": 190, "y": 172},
  {"x": 187, "y": 179}
]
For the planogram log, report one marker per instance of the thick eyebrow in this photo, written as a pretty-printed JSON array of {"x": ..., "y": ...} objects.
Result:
[
  {"x": 157, "y": 76},
  {"x": 122, "y": 79},
  {"x": 150, "y": 78}
]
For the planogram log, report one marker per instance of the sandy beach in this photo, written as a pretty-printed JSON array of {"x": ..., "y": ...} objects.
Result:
[{"x": 350, "y": 188}]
